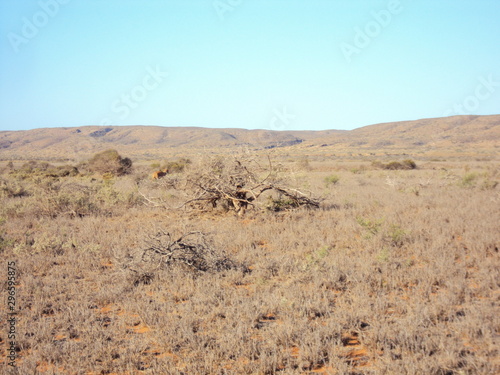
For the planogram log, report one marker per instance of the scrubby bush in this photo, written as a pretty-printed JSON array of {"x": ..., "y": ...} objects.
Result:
[
  {"x": 62, "y": 171},
  {"x": 43, "y": 169},
  {"x": 469, "y": 180},
  {"x": 409, "y": 164},
  {"x": 281, "y": 204},
  {"x": 177, "y": 166},
  {"x": 304, "y": 164},
  {"x": 109, "y": 162},
  {"x": 489, "y": 184},
  {"x": 12, "y": 189},
  {"x": 331, "y": 180},
  {"x": 393, "y": 165}
]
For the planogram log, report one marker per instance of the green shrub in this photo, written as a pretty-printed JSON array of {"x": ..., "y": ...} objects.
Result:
[
  {"x": 397, "y": 235},
  {"x": 331, "y": 180},
  {"x": 315, "y": 258},
  {"x": 371, "y": 226},
  {"x": 281, "y": 204},
  {"x": 384, "y": 255},
  {"x": 469, "y": 180}
]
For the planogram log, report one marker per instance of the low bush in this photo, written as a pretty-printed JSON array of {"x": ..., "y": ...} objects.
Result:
[
  {"x": 469, "y": 180},
  {"x": 109, "y": 162},
  {"x": 34, "y": 169},
  {"x": 331, "y": 180},
  {"x": 281, "y": 204},
  {"x": 393, "y": 165},
  {"x": 177, "y": 166},
  {"x": 12, "y": 189}
]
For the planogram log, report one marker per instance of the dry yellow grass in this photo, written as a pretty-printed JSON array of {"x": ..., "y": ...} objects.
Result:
[{"x": 397, "y": 272}]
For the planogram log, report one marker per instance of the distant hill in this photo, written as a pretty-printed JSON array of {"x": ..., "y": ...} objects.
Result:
[
  {"x": 140, "y": 141},
  {"x": 469, "y": 132},
  {"x": 457, "y": 131}
]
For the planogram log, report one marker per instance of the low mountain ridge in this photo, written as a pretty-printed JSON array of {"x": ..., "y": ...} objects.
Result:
[
  {"x": 156, "y": 141},
  {"x": 447, "y": 131}
]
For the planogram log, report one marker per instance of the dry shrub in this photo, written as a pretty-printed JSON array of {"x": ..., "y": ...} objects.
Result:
[
  {"x": 192, "y": 249},
  {"x": 52, "y": 198},
  {"x": 177, "y": 166},
  {"x": 36, "y": 169},
  {"x": 109, "y": 162},
  {"x": 393, "y": 165},
  {"x": 12, "y": 189}
]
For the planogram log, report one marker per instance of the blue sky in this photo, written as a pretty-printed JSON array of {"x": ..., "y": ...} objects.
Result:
[{"x": 255, "y": 64}]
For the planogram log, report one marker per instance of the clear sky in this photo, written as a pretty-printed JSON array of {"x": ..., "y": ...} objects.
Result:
[{"x": 255, "y": 64}]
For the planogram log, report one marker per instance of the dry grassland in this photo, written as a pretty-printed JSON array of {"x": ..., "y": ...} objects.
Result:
[{"x": 397, "y": 272}]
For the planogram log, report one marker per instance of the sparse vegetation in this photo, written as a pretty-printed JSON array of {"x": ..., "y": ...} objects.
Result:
[{"x": 376, "y": 280}]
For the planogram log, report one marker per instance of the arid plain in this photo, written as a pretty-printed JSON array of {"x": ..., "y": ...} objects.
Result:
[{"x": 373, "y": 251}]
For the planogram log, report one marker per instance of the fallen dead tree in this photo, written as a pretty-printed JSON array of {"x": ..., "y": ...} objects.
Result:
[{"x": 237, "y": 185}]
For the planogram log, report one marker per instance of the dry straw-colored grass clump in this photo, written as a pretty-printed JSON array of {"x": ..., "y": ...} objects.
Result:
[{"x": 394, "y": 272}]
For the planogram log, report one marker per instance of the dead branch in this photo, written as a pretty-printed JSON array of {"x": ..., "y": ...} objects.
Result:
[
  {"x": 149, "y": 201},
  {"x": 192, "y": 249}
]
